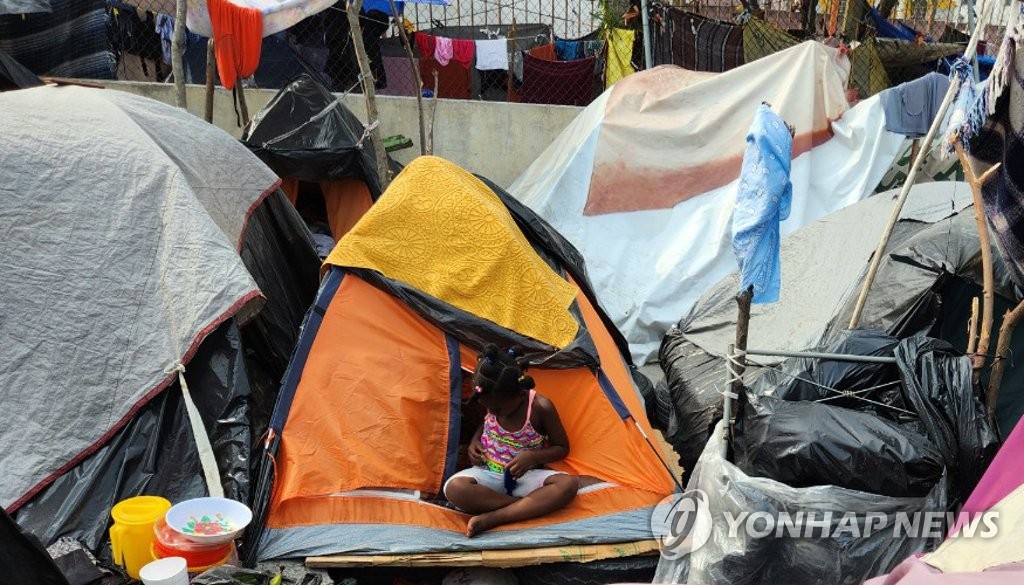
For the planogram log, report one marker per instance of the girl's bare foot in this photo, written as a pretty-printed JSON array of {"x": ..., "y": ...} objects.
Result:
[{"x": 480, "y": 523}]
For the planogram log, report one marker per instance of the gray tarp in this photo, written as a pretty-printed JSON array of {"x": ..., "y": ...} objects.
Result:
[{"x": 120, "y": 220}]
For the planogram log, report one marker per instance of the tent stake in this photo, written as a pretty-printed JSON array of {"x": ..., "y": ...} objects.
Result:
[{"x": 876, "y": 259}]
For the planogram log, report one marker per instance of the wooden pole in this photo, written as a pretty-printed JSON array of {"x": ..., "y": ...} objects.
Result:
[
  {"x": 356, "y": 30},
  {"x": 211, "y": 64},
  {"x": 1002, "y": 354},
  {"x": 415, "y": 70},
  {"x": 988, "y": 278},
  {"x": 742, "y": 328},
  {"x": 243, "y": 106},
  {"x": 972, "y": 327},
  {"x": 433, "y": 113},
  {"x": 876, "y": 259},
  {"x": 178, "y": 53}
]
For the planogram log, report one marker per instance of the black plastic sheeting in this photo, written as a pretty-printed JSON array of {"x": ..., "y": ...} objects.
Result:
[
  {"x": 307, "y": 133},
  {"x": 233, "y": 378},
  {"x": 155, "y": 454},
  {"x": 937, "y": 381},
  {"x": 280, "y": 256},
  {"x": 805, "y": 444},
  {"x": 916, "y": 417},
  {"x": 812, "y": 379},
  {"x": 23, "y": 559}
]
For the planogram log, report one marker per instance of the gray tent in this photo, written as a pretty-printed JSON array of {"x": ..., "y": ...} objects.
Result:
[
  {"x": 932, "y": 257},
  {"x": 136, "y": 237}
]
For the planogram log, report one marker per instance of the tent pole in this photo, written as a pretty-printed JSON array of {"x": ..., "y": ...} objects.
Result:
[
  {"x": 876, "y": 259},
  {"x": 659, "y": 455},
  {"x": 178, "y": 53},
  {"x": 645, "y": 18}
]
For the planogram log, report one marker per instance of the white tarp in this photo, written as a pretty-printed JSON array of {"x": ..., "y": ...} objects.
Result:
[
  {"x": 120, "y": 223},
  {"x": 643, "y": 181}
]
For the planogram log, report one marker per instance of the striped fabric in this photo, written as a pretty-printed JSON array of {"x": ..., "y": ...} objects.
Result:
[
  {"x": 703, "y": 44},
  {"x": 71, "y": 41}
]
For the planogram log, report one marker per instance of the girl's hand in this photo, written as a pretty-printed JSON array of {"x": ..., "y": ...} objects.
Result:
[
  {"x": 476, "y": 453},
  {"x": 522, "y": 463}
]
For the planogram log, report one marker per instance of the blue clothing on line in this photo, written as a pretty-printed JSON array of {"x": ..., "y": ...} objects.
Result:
[
  {"x": 568, "y": 50},
  {"x": 382, "y": 6},
  {"x": 762, "y": 201}
]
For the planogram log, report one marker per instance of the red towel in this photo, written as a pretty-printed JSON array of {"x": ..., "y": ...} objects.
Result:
[
  {"x": 545, "y": 52},
  {"x": 237, "y": 39},
  {"x": 464, "y": 51},
  {"x": 426, "y": 44}
]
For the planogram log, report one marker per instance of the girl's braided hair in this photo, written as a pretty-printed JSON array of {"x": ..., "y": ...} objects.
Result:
[{"x": 500, "y": 373}]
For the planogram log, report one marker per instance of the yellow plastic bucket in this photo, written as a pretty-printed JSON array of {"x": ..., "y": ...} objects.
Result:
[{"x": 131, "y": 536}]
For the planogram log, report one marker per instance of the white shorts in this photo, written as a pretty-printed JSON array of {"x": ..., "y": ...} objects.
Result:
[{"x": 531, "y": 481}]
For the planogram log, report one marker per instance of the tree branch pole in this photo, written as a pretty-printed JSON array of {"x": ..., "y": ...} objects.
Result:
[
  {"x": 356, "y": 30},
  {"x": 876, "y": 259},
  {"x": 433, "y": 113},
  {"x": 1002, "y": 354},
  {"x": 988, "y": 278},
  {"x": 415, "y": 70},
  {"x": 178, "y": 53},
  {"x": 211, "y": 64},
  {"x": 972, "y": 328}
]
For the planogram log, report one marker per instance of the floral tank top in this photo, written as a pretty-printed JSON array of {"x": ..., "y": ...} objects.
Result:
[{"x": 501, "y": 446}]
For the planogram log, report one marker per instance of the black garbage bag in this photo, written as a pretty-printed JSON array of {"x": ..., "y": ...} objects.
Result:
[
  {"x": 695, "y": 379},
  {"x": 812, "y": 379},
  {"x": 806, "y": 444},
  {"x": 937, "y": 382}
]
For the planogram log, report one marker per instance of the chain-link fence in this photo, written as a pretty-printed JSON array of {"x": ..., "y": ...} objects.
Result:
[{"x": 534, "y": 51}]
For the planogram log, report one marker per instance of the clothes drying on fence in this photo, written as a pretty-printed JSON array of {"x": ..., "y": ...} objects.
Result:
[
  {"x": 492, "y": 54},
  {"x": 452, "y": 79},
  {"x": 70, "y": 41},
  {"x": 910, "y": 107},
  {"x": 462, "y": 51},
  {"x": 701, "y": 44},
  {"x": 426, "y": 43},
  {"x": 237, "y": 40},
  {"x": 620, "y": 55},
  {"x": 569, "y": 50},
  {"x": 545, "y": 52},
  {"x": 568, "y": 83},
  {"x": 443, "y": 50},
  {"x": 761, "y": 39},
  {"x": 893, "y": 30}
]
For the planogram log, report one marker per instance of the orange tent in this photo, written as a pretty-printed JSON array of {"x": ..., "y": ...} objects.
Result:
[{"x": 368, "y": 424}]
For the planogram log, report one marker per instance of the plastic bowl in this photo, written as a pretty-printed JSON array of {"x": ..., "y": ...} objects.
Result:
[{"x": 209, "y": 520}]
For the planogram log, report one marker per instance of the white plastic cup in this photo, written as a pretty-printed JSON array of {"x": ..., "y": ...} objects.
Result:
[{"x": 169, "y": 571}]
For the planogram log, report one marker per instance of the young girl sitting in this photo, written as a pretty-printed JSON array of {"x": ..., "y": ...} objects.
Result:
[{"x": 509, "y": 482}]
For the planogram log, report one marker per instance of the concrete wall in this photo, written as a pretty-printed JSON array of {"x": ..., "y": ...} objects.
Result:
[{"x": 494, "y": 139}]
